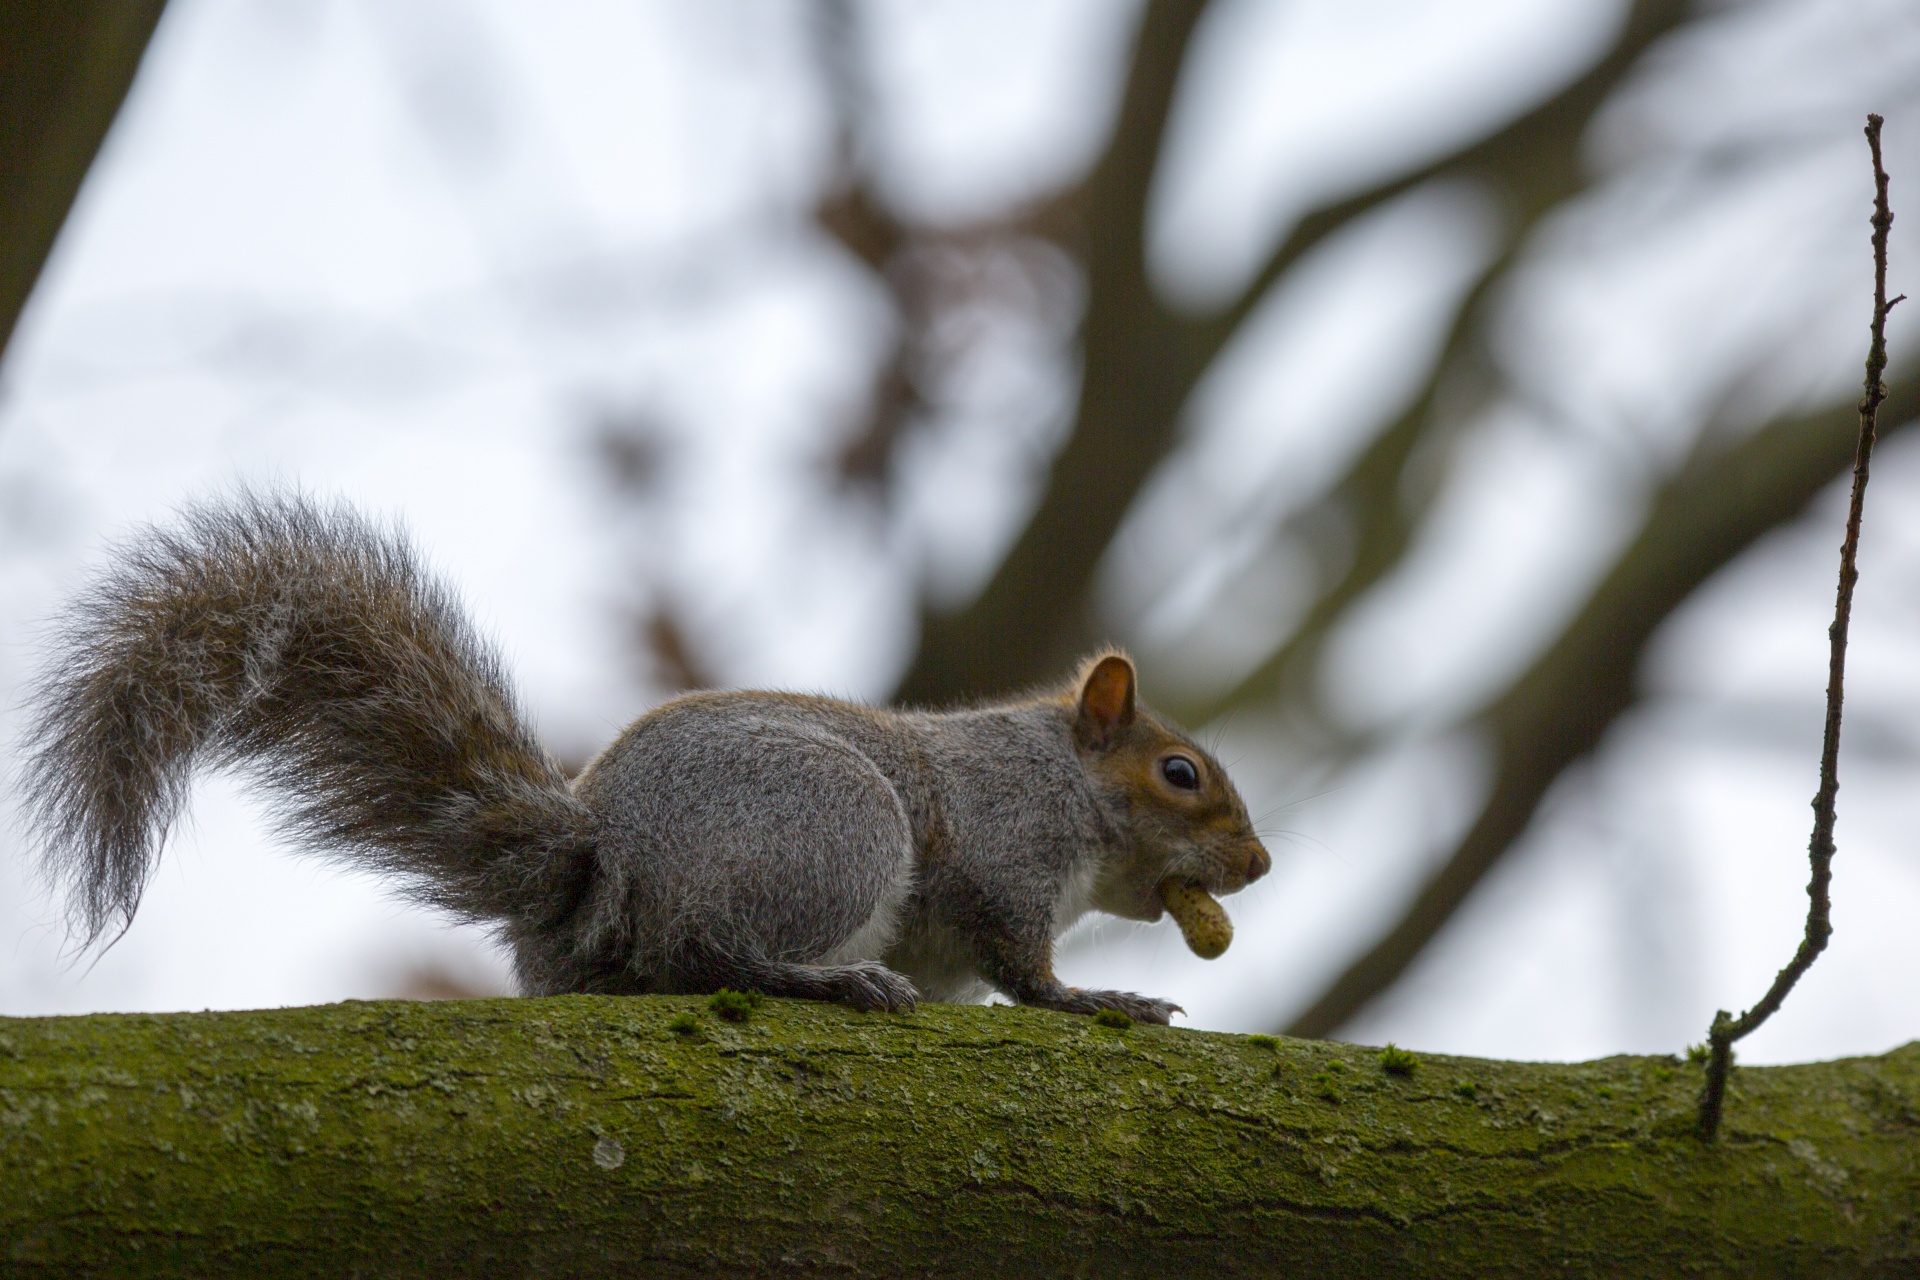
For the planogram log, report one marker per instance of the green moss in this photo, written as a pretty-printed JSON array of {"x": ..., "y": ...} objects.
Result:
[
  {"x": 1113, "y": 1018},
  {"x": 580, "y": 1135},
  {"x": 1263, "y": 1042},
  {"x": 1396, "y": 1061},
  {"x": 683, "y": 1024},
  {"x": 1698, "y": 1053},
  {"x": 731, "y": 1006}
]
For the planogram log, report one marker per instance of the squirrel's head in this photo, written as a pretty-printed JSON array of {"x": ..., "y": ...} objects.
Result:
[{"x": 1182, "y": 815}]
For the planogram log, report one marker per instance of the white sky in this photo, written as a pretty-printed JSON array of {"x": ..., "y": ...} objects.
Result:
[{"x": 411, "y": 254}]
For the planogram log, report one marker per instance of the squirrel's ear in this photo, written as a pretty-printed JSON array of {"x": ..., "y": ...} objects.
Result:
[{"x": 1106, "y": 701}]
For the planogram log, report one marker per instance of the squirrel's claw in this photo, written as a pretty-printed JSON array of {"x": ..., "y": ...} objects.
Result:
[
  {"x": 1147, "y": 1009},
  {"x": 1139, "y": 1008}
]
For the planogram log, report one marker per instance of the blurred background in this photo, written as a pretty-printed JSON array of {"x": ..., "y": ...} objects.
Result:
[{"x": 1444, "y": 400}]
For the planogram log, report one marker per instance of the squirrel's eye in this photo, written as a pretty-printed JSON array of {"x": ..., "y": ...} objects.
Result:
[{"x": 1180, "y": 772}]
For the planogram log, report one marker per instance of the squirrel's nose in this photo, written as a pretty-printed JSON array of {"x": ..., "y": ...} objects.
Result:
[
  {"x": 1260, "y": 863},
  {"x": 1257, "y": 862}
]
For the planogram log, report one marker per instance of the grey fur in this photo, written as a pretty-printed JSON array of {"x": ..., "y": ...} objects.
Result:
[{"x": 792, "y": 845}]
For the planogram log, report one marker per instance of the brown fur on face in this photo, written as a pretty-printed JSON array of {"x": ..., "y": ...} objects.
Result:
[{"x": 1202, "y": 835}]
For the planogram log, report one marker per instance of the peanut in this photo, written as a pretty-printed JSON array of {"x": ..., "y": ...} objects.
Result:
[{"x": 1203, "y": 922}]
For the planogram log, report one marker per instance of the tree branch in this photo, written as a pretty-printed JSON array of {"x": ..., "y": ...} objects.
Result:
[
  {"x": 1376, "y": 505},
  {"x": 585, "y": 1136},
  {"x": 1133, "y": 383},
  {"x": 1532, "y": 166},
  {"x": 65, "y": 66},
  {"x": 1561, "y": 708},
  {"x": 1533, "y": 163},
  {"x": 1142, "y": 361}
]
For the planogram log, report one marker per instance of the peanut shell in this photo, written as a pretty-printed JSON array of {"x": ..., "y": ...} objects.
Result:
[{"x": 1203, "y": 921}]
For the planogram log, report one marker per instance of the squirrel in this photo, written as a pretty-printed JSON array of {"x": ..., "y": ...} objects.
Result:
[{"x": 769, "y": 842}]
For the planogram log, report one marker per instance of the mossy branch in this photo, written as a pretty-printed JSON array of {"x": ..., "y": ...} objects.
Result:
[{"x": 603, "y": 1136}]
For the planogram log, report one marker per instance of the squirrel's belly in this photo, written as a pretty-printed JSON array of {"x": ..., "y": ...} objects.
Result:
[{"x": 939, "y": 962}]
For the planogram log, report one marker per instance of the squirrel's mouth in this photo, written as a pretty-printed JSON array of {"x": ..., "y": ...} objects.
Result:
[
  {"x": 1202, "y": 873},
  {"x": 1246, "y": 862},
  {"x": 1216, "y": 872}
]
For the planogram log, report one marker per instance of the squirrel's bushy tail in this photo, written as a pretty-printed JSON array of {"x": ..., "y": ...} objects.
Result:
[{"x": 307, "y": 647}]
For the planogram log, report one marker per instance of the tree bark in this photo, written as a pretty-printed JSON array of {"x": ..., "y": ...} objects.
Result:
[{"x": 586, "y": 1136}]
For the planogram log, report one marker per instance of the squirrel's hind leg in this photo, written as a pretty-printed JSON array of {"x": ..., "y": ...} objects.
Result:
[{"x": 865, "y": 984}]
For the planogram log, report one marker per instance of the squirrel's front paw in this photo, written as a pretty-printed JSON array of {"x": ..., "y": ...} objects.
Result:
[{"x": 1139, "y": 1008}]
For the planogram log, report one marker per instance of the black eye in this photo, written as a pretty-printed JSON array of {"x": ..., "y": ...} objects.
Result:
[{"x": 1180, "y": 772}]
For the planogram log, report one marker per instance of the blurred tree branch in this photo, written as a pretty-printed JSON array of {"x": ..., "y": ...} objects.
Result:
[
  {"x": 853, "y": 213},
  {"x": 1138, "y": 369},
  {"x": 65, "y": 66},
  {"x": 1532, "y": 167},
  {"x": 1142, "y": 360},
  {"x": 1532, "y": 164},
  {"x": 1718, "y": 505}
]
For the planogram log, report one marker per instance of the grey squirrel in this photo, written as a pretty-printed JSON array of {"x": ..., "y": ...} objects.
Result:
[{"x": 770, "y": 842}]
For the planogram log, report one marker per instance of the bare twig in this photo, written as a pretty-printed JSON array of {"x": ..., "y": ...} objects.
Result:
[{"x": 1727, "y": 1029}]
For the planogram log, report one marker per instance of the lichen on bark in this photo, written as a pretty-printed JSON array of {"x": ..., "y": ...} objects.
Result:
[{"x": 590, "y": 1136}]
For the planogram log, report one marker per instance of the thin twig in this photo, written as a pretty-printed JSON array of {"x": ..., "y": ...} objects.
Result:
[{"x": 1727, "y": 1029}]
